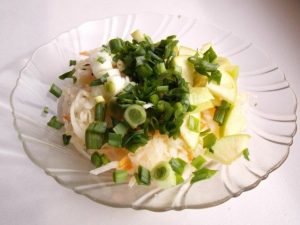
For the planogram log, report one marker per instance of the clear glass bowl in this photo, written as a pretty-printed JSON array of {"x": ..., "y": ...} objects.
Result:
[{"x": 271, "y": 114}]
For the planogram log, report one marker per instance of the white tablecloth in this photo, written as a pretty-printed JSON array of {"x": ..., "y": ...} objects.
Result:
[{"x": 29, "y": 196}]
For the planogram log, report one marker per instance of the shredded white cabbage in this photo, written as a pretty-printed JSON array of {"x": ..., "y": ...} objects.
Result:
[{"x": 81, "y": 113}]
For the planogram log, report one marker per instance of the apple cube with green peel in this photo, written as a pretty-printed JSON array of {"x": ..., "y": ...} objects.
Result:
[
  {"x": 202, "y": 98},
  {"x": 226, "y": 89},
  {"x": 190, "y": 137},
  {"x": 229, "y": 148},
  {"x": 235, "y": 121}
]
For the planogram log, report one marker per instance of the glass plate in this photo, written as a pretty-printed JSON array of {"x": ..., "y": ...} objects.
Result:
[{"x": 271, "y": 114}]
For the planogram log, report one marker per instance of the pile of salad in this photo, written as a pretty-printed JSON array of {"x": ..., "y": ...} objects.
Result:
[{"x": 152, "y": 112}]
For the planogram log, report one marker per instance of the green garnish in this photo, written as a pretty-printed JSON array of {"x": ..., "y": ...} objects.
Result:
[
  {"x": 100, "y": 111},
  {"x": 54, "y": 123},
  {"x": 143, "y": 176},
  {"x": 99, "y": 159},
  {"x": 135, "y": 115},
  {"x": 205, "y": 132},
  {"x": 193, "y": 124},
  {"x": 66, "y": 139},
  {"x": 209, "y": 140},
  {"x": 94, "y": 135},
  {"x": 202, "y": 174},
  {"x": 115, "y": 139},
  {"x": 198, "y": 162},
  {"x": 160, "y": 171},
  {"x": 221, "y": 112},
  {"x": 177, "y": 165},
  {"x": 72, "y": 62},
  {"x": 121, "y": 128},
  {"x": 46, "y": 110},
  {"x": 101, "y": 59},
  {"x": 205, "y": 65},
  {"x": 100, "y": 81},
  {"x": 69, "y": 74},
  {"x": 55, "y": 90},
  {"x": 246, "y": 154},
  {"x": 120, "y": 176}
]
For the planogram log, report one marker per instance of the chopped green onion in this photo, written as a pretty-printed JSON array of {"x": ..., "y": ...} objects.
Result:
[
  {"x": 46, "y": 110},
  {"x": 193, "y": 124},
  {"x": 99, "y": 159},
  {"x": 96, "y": 159},
  {"x": 177, "y": 165},
  {"x": 216, "y": 76},
  {"x": 144, "y": 70},
  {"x": 205, "y": 132},
  {"x": 161, "y": 171},
  {"x": 68, "y": 74},
  {"x": 154, "y": 99},
  {"x": 101, "y": 60},
  {"x": 179, "y": 179},
  {"x": 140, "y": 60},
  {"x": 115, "y": 139},
  {"x": 54, "y": 123},
  {"x": 246, "y": 154},
  {"x": 120, "y": 176},
  {"x": 116, "y": 45},
  {"x": 100, "y": 81},
  {"x": 94, "y": 137},
  {"x": 209, "y": 140},
  {"x": 55, "y": 90},
  {"x": 121, "y": 128},
  {"x": 198, "y": 162},
  {"x": 135, "y": 115},
  {"x": 163, "y": 88},
  {"x": 210, "y": 55},
  {"x": 177, "y": 70},
  {"x": 72, "y": 62},
  {"x": 202, "y": 174},
  {"x": 160, "y": 68},
  {"x": 100, "y": 111},
  {"x": 66, "y": 139},
  {"x": 143, "y": 175},
  {"x": 221, "y": 112}
]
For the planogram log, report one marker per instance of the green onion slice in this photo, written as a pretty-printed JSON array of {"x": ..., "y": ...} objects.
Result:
[
  {"x": 115, "y": 139},
  {"x": 100, "y": 81},
  {"x": 193, "y": 124},
  {"x": 120, "y": 176},
  {"x": 177, "y": 165},
  {"x": 135, "y": 115},
  {"x": 209, "y": 140},
  {"x": 54, "y": 123},
  {"x": 161, "y": 171},
  {"x": 72, "y": 62},
  {"x": 202, "y": 174},
  {"x": 94, "y": 135},
  {"x": 55, "y": 90},
  {"x": 143, "y": 176},
  {"x": 246, "y": 154},
  {"x": 121, "y": 128},
  {"x": 100, "y": 111},
  {"x": 222, "y": 112},
  {"x": 66, "y": 139},
  {"x": 198, "y": 162}
]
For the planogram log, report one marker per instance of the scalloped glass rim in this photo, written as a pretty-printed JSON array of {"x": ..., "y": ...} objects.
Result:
[{"x": 271, "y": 125}]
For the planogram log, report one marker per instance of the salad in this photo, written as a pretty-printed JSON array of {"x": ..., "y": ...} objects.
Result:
[{"x": 152, "y": 112}]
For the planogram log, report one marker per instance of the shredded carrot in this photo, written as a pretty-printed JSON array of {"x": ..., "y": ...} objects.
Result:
[
  {"x": 190, "y": 153},
  {"x": 66, "y": 117},
  {"x": 86, "y": 53},
  {"x": 125, "y": 163}
]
